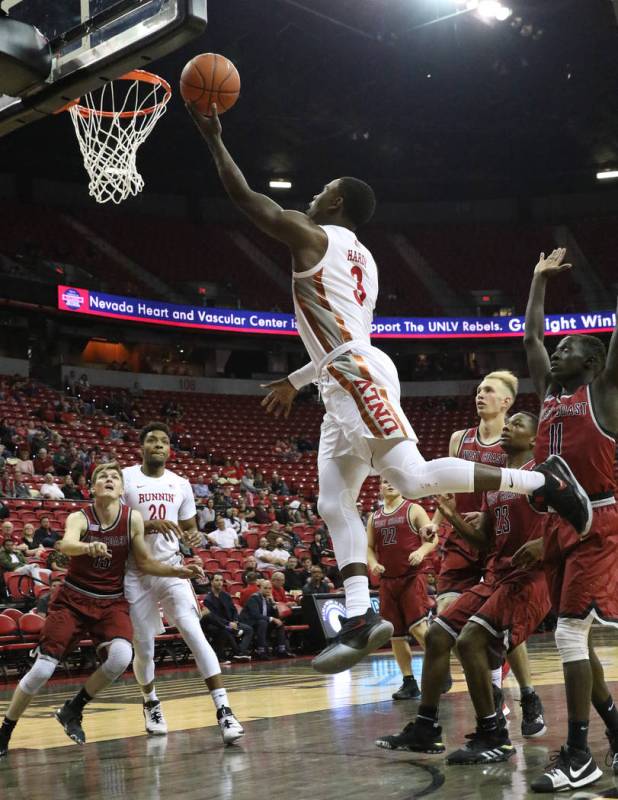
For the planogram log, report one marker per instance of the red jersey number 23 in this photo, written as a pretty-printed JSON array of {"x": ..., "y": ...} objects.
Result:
[{"x": 359, "y": 293}]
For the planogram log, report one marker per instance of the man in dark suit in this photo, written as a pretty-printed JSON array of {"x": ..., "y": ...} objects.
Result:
[
  {"x": 222, "y": 625},
  {"x": 262, "y": 615}
]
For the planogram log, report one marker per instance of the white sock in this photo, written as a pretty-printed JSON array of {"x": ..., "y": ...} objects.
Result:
[
  {"x": 521, "y": 481},
  {"x": 496, "y": 677},
  {"x": 150, "y": 696},
  {"x": 219, "y": 698},
  {"x": 356, "y": 595}
]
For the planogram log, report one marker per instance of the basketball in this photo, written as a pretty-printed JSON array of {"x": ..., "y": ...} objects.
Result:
[{"x": 210, "y": 78}]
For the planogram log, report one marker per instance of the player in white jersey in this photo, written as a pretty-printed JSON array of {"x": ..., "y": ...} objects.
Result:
[
  {"x": 335, "y": 287},
  {"x": 165, "y": 501}
]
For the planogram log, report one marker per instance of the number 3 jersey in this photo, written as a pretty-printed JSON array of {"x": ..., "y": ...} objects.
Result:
[
  {"x": 513, "y": 522},
  {"x": 395, "y": 537},
  {"x": 168, "y": 497}
]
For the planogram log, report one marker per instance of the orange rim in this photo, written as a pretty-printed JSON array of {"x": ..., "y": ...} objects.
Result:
[{"x": 134, "y": 75}]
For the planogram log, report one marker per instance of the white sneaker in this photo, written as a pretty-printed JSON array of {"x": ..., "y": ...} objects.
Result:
[
  {"x": 231, "y": 729},
  {"x": 153, "y": 716}
]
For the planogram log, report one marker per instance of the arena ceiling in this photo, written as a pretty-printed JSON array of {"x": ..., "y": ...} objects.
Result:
[{"x": 456, "y": 108}]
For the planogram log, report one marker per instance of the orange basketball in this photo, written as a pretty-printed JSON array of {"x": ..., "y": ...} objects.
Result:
[{"x": 210, "y": 78}]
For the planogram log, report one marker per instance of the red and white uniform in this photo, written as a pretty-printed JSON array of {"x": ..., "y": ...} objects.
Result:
[
  {"x": 510, "y": 602},
  {"x": 334, "y": 303},
  {"x": 91, "y": 603},
  {"x": 462, "y": 564},
  {"x": 403, "y": 588},
  {"x": 168, "y": 497},
  {"x": 582, "y": 574}
]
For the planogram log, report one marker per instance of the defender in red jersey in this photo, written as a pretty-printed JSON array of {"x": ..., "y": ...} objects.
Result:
[
  {"x": 91, "y": 601},
  {"x": 397, "y": 553},
  {"x": 578, "y": 388},
  {"x": 495, "y": 616}
]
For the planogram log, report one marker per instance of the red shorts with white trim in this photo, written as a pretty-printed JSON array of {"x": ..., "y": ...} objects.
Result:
[
  {"x": 73, "y": 616},
  {"x": 582, "y": 574},
  {"x": 457, "y": 573},
  {"x": 404, "y": 601}
]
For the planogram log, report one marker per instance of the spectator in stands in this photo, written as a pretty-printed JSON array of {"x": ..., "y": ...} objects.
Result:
[
  {"x": 290, "y": 535},
  {"x": 82, "y": 485},
  {"x": 278, "y": 485},
  {"x": 293, "y": 579},
  {"x": 70, "y": 490},
  {"x": 12, "y": 560},
  {"x": 83, "y": 383},
  {"x": 278, "y": 591},
  {"x": 200, "y": 489},
  {"x": 43, "y": 462},
  {"x": 317, "y": 583},
  {"x": 7, "y": 482},
  {"x": 57, "y": 561},
  {"x": 262, "y": 615},
  {"x": 262, "y": 517},
  {"x": 24, "y": 463},
  {"x": 223, "y": 535},
  {"x": 42, "y": 604},
  {"x": 247, "y": 511},
  {"x": 252, "y": 585},
  {"x": 27, "y": 546},
  {"x": 239, "y": 522},
  {"x": 281, "y": 552},
  {"x": 62, "y": 461},
  {"x": 7, "y": 528},
  {"x": 222, "y": 623},
  {"x": 319, "y": 547},
  {"x": 250, "y": 565},
  {"x": 305, "y": 569},
  {"x": 246, "y": 482},
  {"x": 274, "y": 532},
  {"x": 49, "y": 490},
  {"x": 206, "y": 516},
  {"x": 258, "y": 480},
  {"x": 44, "y": 534}
]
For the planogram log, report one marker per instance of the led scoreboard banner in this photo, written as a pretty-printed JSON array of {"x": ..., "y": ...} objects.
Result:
[{"x": 157, "y": 312}]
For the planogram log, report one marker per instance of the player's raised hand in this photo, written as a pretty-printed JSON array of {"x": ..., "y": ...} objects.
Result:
[
  {"x": 429, "y": 533},
  {"x": 190, "y": 571},
  {"x": 96, "y": 549},
  {"x": 209, "y": 126},
  {"x": 528, "y": 554},
  {"x": 446, "y": 504},
  {"x": 474, "y": 518},
  {"x": 168, "y": 529},
  {"x": 552, "y": 265},
  {"x": 280, "y": 398}
]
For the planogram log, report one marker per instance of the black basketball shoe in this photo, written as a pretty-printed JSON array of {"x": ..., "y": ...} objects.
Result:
[
  {"x": 484, "y": 747},
  {"x": 358, "y": 637},
  {"x": 71, "y": 721},
  {"x": 416, "y": 737},
  {"x": 532, "y": 719},
  {"x": 612, "y": 756},
  {"x": 4, "y": 744},
  {"x": 568, "y": 768},
  {"x": 408, "y": 690},
  {"x": 564, "y": 494}
]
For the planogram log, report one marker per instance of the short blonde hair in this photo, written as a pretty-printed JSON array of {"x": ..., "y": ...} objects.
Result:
[
  {"x": 507, "y": 378},
  {"x": 105, "y": 466}
]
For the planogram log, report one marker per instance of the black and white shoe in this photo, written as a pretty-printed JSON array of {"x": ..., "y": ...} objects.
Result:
[
  {"x": 231, "y": 729},
  {"x": 71, "y": 721},
  {"x": 415, "y": 737},
  {"x": 564, "y": 494},
  {"x": 408, "y": 690},
  {"x": 358, "y": 637},
  {"x": 484, "y": 747},
  {"x": 568, "y": 768},
  {"x": 612, "y": 755},
  {"x": 532, "y": 719},
  {"x": 154, "y": 719}
]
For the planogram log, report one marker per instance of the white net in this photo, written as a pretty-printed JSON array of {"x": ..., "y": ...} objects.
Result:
[{"x": 110, "y": 129}]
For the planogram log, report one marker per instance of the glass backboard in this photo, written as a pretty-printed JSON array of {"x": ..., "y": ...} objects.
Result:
[{"x": 94, "y": 41}]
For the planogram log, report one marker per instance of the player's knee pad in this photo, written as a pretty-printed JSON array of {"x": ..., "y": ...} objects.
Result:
[
  {"x": 119, "y": 654},
  {"x": 38, "y": 674},
  {"x": 572, "y": 639}
]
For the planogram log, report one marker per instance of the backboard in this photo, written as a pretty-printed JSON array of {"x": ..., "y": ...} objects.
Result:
[{"x": 94, "y": 41}]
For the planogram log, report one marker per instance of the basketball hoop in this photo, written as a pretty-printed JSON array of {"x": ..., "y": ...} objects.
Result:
[{"x": 111, "y": 128}]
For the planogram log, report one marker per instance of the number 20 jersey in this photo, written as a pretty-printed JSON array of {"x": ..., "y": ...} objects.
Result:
[
  {"x": 168, "y": 497},
  {"x": 334, "y": 300}
]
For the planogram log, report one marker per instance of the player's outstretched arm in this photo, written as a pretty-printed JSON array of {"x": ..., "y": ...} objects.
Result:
[
  {"x": 71, "y": 545},
  {"x": 290, "y": 227},
  {"x": 536, "y": 354},
  {"x": 478, "y": 537},
  {"x": 605, "y": 387},
  {"x": 149, "y": 565}
]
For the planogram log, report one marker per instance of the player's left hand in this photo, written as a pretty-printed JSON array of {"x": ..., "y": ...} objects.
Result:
[
  {"x": 280, "y": 398},
  {"x": 190, "y": 571},
  {"x": 415, "y": 558},
  {"x": 528, "y": 554},
  {"x": 191, "y": 538},
  {"x": 209, "y": 126},
  {"x": 474, "y": 518},
  {"x": 429, "y": 533}
]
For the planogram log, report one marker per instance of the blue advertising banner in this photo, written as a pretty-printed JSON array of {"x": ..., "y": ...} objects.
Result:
[{"x": 157, "y": 312}]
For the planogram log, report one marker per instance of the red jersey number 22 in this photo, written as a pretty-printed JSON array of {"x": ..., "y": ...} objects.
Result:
[{"x": 359, "y": 293}]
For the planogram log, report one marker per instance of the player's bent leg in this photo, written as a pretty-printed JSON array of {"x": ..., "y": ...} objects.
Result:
[
  {"x": 364, "y": 631},
  {"x": 29, "y": 686}
]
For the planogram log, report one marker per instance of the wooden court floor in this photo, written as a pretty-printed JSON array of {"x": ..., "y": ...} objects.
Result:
[{"x": 307, "y": 736}]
